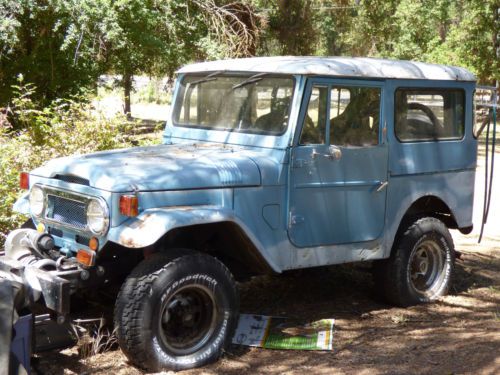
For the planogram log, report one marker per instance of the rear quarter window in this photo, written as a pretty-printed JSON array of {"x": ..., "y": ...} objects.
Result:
[{"x": 429, "y": 115}]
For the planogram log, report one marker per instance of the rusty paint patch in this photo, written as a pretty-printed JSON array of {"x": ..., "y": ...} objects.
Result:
[{"x": 127, "y": 241}]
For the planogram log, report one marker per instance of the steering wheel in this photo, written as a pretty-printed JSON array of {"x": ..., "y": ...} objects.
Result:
[{"x": 422, "y": 107}]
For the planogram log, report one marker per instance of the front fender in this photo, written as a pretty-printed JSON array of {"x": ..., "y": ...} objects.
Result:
[
  {"x": 147, "y": 228},
  {"x": 22, "y": 204}
]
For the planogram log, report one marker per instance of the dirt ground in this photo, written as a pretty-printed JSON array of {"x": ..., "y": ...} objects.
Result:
[{"x": 460, "y": 334}]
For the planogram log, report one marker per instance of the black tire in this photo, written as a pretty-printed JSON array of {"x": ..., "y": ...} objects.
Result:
[
  {"x": 176, "y": 311},
  {"x": 421, "y": 265}
]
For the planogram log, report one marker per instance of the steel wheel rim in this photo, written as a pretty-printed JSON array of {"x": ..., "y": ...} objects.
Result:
[
  {"x": 427, "y": 263},
  {"x": 187, "y": 320}
]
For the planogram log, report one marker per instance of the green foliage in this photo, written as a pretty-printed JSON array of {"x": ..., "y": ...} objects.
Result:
[
  {"x": 153, "y": 92},
  {"x": 62, "y": 46},
  {"x": 151, "y": 36},
  {"x": 453, "y": 32},
  {"x": 41, "y": 39},
  {"x": 333, "y": 26},
  {"x": 291, "y": 27},
  {"x": 447, "y": 32},
  {"x": 65, "y": 127},
  {"x": 470, "y": 41}
]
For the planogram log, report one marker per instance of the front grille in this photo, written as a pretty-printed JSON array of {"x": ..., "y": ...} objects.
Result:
[{"x": 67, "y": 211}]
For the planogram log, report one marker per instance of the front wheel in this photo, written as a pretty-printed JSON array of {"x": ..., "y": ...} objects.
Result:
[
  {"x": 176, "y": 314},
  {"x": 421, "y": 265}
]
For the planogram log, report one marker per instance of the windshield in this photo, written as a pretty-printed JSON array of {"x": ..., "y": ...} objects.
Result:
[{"x": 253, "y": 103}]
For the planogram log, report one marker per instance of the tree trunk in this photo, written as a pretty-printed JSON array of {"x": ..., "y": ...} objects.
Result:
[{"x": 127, "y": 88}]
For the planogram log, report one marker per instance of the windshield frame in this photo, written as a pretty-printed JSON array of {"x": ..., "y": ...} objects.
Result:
[{"x": 179, "y": 97}]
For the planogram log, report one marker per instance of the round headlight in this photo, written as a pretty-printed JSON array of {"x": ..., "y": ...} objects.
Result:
[
  {"x": 37, "y": 200},
  {"x": 97, "y": 216}
]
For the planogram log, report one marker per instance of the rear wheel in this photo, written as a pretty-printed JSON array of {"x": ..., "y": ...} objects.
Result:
[
  {"x": 176, "y": 313},
  {"x": 421, "y": 264}
]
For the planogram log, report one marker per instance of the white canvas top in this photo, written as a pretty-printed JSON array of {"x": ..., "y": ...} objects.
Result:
[{"x": 335, "y": 66}]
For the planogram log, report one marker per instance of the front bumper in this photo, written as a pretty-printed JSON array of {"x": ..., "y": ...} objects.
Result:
[
  {"x": 33, "y": 283},
  {"x": 35, "y": 277},
  {"x": 28, "y": 275}
]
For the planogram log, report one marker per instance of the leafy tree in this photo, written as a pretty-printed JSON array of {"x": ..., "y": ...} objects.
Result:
[
  {"x": 150, "y": 37},
  {"x": 62, "y": 45},
  {"x": 334, "y": 21},
  {"x": 372, "y": 28},
  {"x": 472, "y": 40},
  {"x": 291, "y": 27},
  {"x": 156, "y": 37},
  {"x": 458, "y": 32},
  {"x": 33, "y": 34}
]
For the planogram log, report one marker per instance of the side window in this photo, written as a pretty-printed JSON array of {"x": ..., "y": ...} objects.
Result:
[
  {"x": 425, "y": 115},
  {"x": 354, "y": 116},
  {"x": 314, "y": 128}
]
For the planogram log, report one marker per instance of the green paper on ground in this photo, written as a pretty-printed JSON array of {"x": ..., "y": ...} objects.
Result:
[{"x": 276, "y": 333}]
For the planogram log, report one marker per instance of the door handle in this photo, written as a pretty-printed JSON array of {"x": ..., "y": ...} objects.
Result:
[
  {"x": 382, "y": 185},
  {"x": 334, "y": 153}
]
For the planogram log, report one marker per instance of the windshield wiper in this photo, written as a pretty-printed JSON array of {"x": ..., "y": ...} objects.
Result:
[
  {"x": 255, "y": 78},
  {"x": 210, "y": 77}
]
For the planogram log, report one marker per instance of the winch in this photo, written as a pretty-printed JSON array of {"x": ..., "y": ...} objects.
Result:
[{"x": 30, "y": 269}]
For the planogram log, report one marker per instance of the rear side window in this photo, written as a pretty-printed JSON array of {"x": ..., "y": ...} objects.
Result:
[{"x": 428, "y": 115}]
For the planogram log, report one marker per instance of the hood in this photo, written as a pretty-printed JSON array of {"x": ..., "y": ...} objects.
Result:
[{"x": 154, "y": 168}]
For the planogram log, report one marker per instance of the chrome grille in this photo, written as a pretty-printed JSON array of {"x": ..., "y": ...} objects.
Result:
[{"x": 67, "y": 211}]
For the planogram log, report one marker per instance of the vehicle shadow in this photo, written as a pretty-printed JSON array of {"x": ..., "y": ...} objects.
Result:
[
  {"x": 370, "y": 334},
  {"x": 457, "y": 333}
]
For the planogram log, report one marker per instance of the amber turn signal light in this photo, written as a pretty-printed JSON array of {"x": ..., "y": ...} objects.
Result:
[
  {"x": 85, "y": 257},
  {"x": 24, "y": 181},
  {"x": 129, "y": 205},
  {"x": 94, "y": 244}
]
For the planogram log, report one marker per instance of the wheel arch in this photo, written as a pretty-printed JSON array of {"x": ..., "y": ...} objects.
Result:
[
  {"x": 212, "y": 230},
  {"x": 427, "y": 205},
  {"x": 431, "y": 205},
  {"x": 225, "y": 240}
]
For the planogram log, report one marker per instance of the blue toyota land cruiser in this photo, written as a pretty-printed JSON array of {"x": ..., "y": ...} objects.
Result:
[{"x": 266, "y": 165}]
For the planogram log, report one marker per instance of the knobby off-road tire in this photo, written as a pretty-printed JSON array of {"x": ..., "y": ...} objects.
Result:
[
  {"x": 421, "y": 265},
  {"x": 176, "y": 311}
]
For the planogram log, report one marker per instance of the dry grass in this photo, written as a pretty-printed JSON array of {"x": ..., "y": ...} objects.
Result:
[{"x": 94, "y": 337}]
